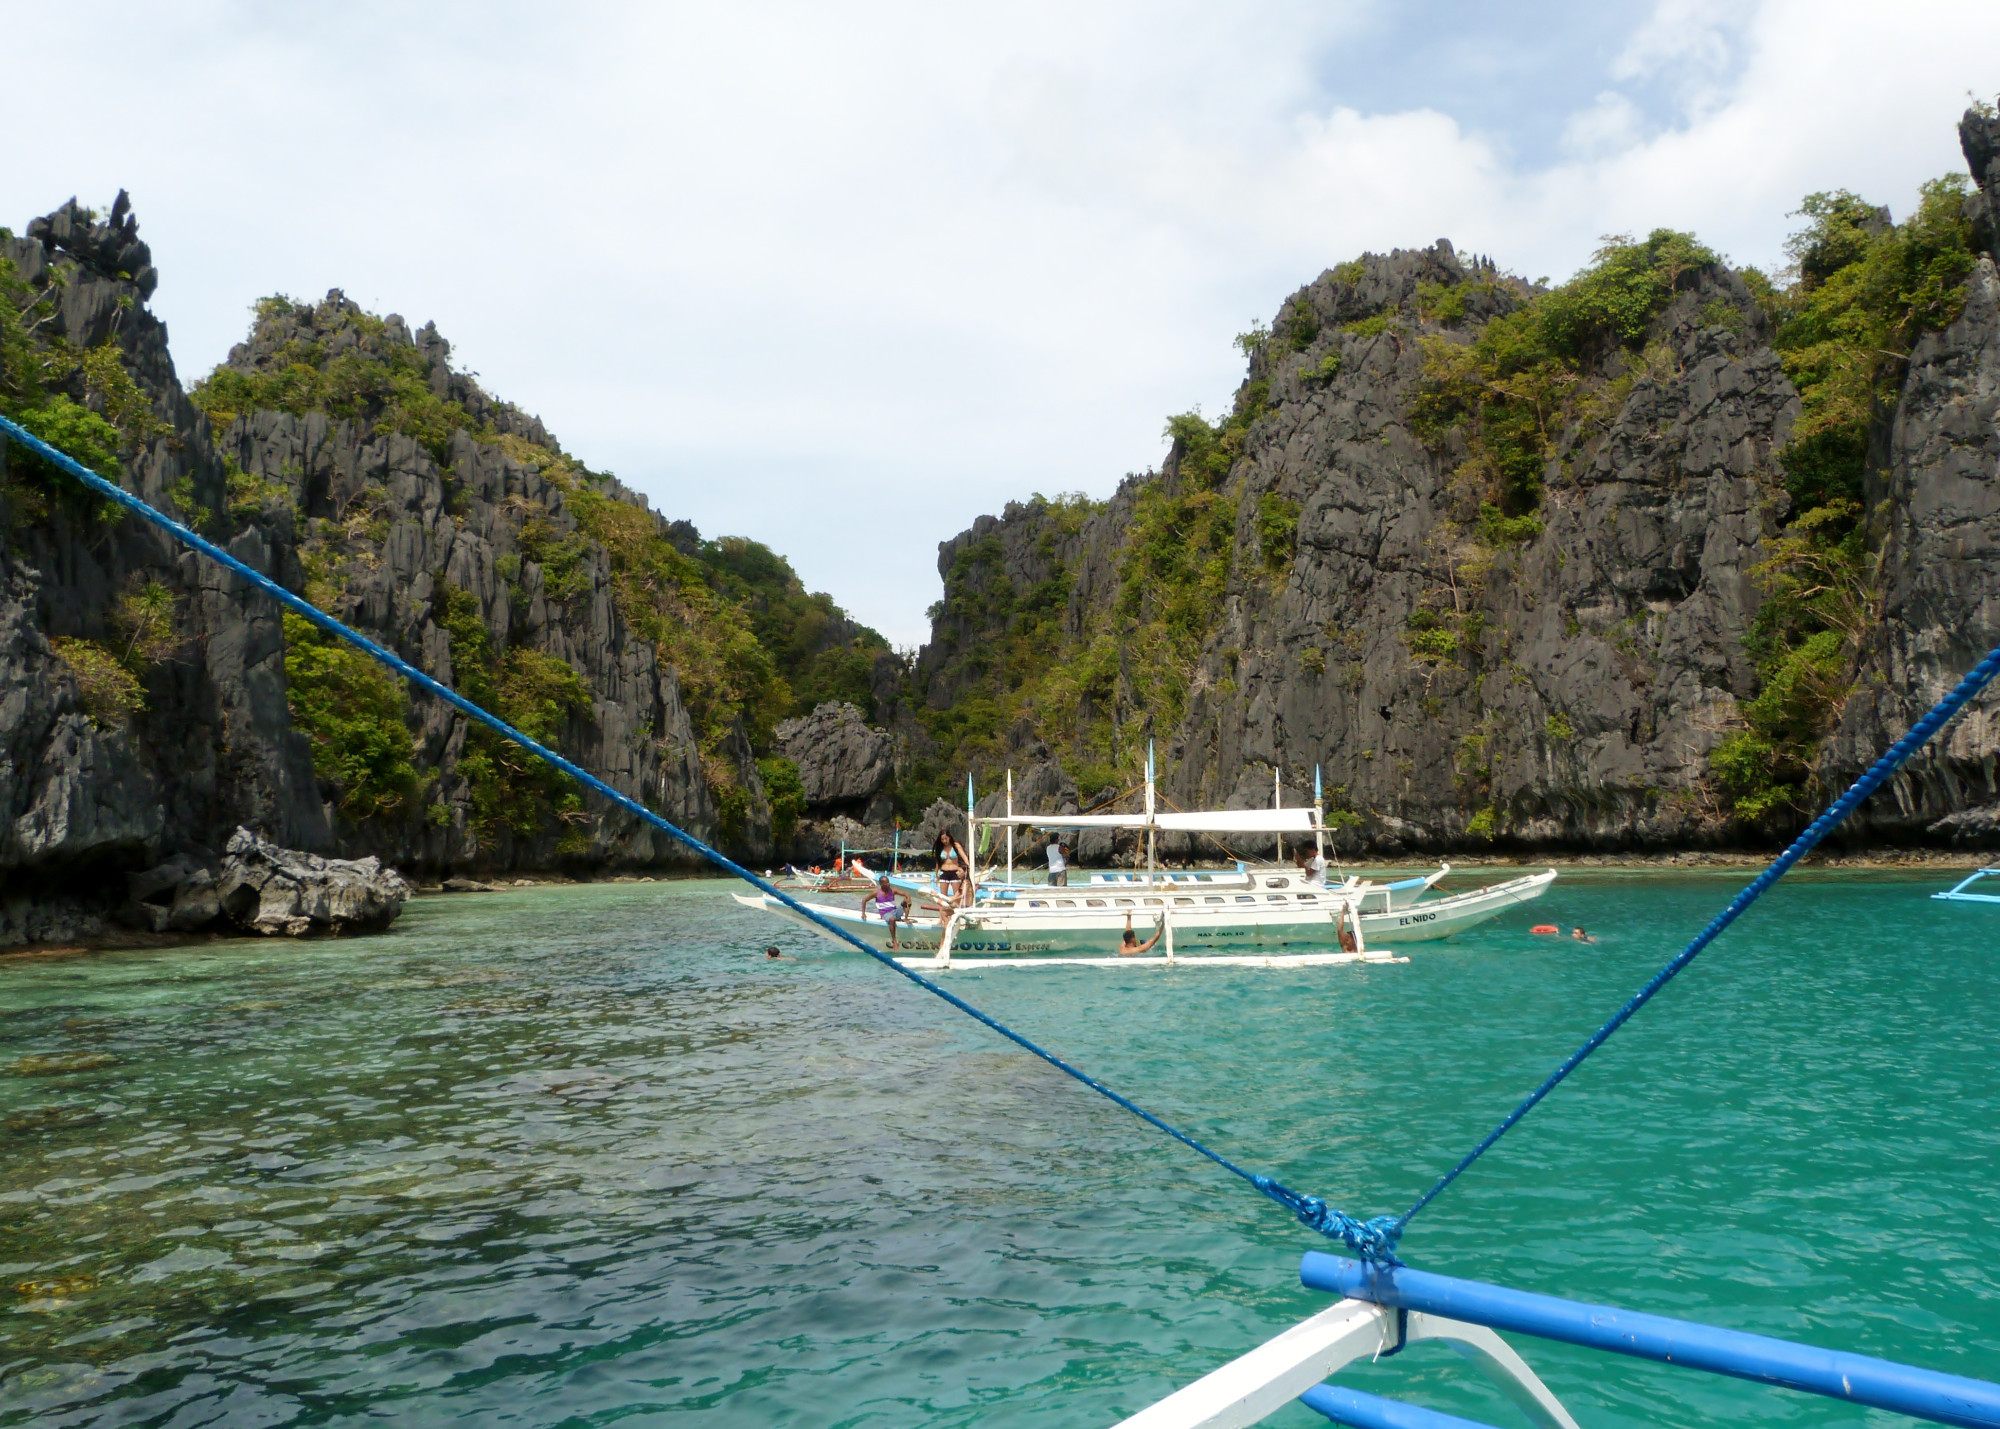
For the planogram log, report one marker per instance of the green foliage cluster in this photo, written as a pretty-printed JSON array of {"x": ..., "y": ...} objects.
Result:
[
  {"x": 82, "y": 402},
  {"x": 510, "y": 790},
  {"x": 787, "y": 793},
  {"x": 344, "y": 364},
  {"x": 1535, "y": 372},
  {"x": 1431, "y": 637},
  {"x": 1863, "y": 290},
  {"x": 1445, "y": 303},
  {"x": 820, "y": 654},
  {"x": 1328, "y": 368},
  {"x": 1277, "y": 531},
  {"x": 1299, "y": 325},
  {"x": 357, "y": 718},
  {"x": 110, "y": 692}
]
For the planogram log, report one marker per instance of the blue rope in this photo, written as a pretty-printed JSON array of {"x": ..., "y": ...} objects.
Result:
[
  {"x": 1898, "y": 754},
  {"x": 1362, "y": 1239}
]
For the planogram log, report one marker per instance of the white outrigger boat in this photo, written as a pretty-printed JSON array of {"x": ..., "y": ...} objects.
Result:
[{"x": 1260, "y": 917}]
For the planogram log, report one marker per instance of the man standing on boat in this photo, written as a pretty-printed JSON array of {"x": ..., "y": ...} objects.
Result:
[
  {"x": 1312, "y": 863},
  {"x": 1058, "y": 862}
]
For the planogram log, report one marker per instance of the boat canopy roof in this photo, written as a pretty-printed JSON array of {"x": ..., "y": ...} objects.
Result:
[{"x": 1212, "y": 821}]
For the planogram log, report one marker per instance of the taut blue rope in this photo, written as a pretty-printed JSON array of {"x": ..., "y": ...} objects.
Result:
[
  {"x": 1364, "y": 1240},
  {"x": 1898, "y": 754}
]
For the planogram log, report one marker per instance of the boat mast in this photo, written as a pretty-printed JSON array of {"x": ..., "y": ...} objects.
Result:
[
  {"x": 1278, "y": 802},
  {"x": 1010, "y": 826},
  {"x": 1152, "y": 877},
  {"x": 971, "y": 841},
  {"x": 1319, "y": 816}
]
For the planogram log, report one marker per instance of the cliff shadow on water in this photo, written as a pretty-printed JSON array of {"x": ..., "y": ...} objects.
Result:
[{"x": 1656, "y": 558}]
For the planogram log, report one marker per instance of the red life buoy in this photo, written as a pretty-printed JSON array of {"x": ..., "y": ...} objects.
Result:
[{"x": 1545, "y": 928}]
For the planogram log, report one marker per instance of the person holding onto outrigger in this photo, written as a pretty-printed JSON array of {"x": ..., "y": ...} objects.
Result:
[
  {"x": 1129, "y": 946},
  {"x": 888, "y": 905}
]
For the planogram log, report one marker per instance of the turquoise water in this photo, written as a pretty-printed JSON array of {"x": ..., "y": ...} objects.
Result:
[{"x": 584, "y": 1157}]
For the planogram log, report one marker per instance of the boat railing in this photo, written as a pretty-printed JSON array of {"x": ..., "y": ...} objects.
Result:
[{"x": 1386, "y": 1308}]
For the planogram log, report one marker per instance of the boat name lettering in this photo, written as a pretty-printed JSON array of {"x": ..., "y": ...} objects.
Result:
[{"x": 1416, "y": 918}]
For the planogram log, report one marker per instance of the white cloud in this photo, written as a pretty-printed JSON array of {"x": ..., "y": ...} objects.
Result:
[{"x": 842, "y": 278}]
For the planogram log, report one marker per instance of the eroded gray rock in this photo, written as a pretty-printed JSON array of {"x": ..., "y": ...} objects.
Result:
[
  {"x": 268, "y": 889},
  {"x": 841, "y": 760}
]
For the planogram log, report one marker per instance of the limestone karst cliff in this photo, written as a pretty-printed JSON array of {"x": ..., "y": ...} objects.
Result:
[
  {"x": 1652, "y": 559},
  {"x": 149, "y": 706}
]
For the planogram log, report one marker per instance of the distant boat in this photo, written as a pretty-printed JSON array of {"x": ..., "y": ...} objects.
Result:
[
  {"x": 1959, "y": 895},
  {"x": 1267, "y": 916}
]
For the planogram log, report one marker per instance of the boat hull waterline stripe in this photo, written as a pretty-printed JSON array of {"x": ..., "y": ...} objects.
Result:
[
  {"x": 1855, "y": 1379},
  {"x": 1363, "y": 1239},
  {"x": 1898, "y": 754}
]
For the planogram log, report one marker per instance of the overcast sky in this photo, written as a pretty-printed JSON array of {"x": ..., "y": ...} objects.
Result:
[{"x": 842, "y": 277}]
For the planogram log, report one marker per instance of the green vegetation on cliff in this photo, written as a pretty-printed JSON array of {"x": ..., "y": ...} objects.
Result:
[
  {"x": 82, "y": 401},
  {"x": 749, "y": 645},
  {"x": 1535, "y": 378},
  {"x": 1861, "y": 291}
]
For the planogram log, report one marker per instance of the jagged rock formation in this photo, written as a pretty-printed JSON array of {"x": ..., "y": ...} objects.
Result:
[
  {"x": 841, "y": 761},
  {"x": 1557, "y": 680},
  {"x": 263, "y": 888},
  {"x": 267, "y": 889},
  {"x": 149, "y": 704}
]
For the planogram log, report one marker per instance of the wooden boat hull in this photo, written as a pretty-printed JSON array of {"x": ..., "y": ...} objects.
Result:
[{"x": 1239, "y": 923}]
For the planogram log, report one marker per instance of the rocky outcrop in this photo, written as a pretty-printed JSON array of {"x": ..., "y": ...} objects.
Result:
[
  {"x": 261, "y": 887},
  {"x": 841, "y": 761},
  {"x": 267, "y": 889}
]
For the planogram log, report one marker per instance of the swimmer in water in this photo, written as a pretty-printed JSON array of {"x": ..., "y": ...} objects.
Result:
[
  {"x": 1580, "y": 936},
  {"x": 772, "y": 953},
  {"x": 1129, "y": 946}
]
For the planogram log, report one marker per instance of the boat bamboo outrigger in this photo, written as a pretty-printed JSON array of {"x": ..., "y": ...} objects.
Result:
[
  {"x": 1958, "y": 894},
  {"x": 1261, "y": 917}
]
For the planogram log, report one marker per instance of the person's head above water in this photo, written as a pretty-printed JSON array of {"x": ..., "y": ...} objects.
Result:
[{"x": 772, "y": 953}]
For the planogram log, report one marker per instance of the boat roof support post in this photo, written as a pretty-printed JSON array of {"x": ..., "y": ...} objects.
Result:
[{"x": 1010, "y": 826}]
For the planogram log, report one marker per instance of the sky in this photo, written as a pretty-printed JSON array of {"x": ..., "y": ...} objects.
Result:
[{"x": 841, "y": 278}]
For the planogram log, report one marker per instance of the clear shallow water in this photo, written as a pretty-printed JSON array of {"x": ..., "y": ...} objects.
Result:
[{"x": 582, "y": 1156}]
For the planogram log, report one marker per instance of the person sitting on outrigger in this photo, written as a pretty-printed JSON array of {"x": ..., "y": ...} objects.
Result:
[
  {"x": 1129, "y": 946},
  {"x": 888, "y": 905}
]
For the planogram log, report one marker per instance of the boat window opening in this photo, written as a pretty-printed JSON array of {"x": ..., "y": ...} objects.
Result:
[
  {"x": 1308, "y": 897},
  {"x": 1212, "y": 898},
  {"x": 1093, "y": 902},
  {"x": 1065, "y": 903},
  {"x": 1276, "y": 882},
  {"x": 1274, "y": 898},
  {"x": 1036, "y": 903},
  {"x": 1183, "y": 902},
  {"x": 1150, "y": 902},
  {"x": 1245, "y": 898},
  {"x": 1124, "y": 902}
]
